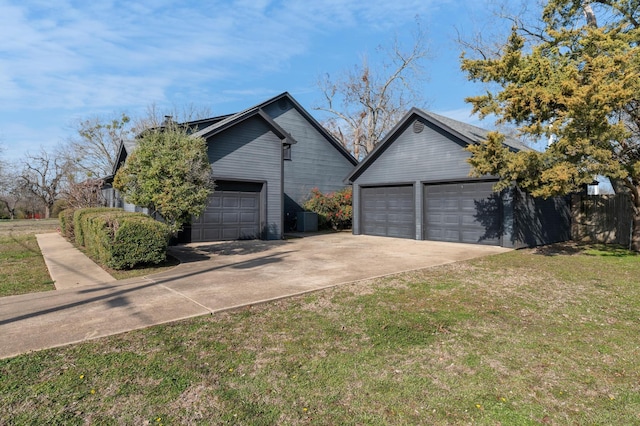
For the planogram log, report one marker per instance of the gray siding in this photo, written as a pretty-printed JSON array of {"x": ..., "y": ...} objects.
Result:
[
  {"x": 539, "y": 221},
  {"x": 426, "y": 156},
  {"x": 251, "y": 152},
  {"x": 315, "y": 162},
  {"x": 414, "y": 158}
]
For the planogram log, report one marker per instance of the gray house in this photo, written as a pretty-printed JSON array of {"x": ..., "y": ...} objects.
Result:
[
  {"x": 416, "y": 184},
  {"x": 265, "y": 160}
]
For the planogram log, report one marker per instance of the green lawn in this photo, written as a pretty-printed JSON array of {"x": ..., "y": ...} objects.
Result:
[
  {"x": 22, "y": 268},
  {"x": 527, "y": 337}
]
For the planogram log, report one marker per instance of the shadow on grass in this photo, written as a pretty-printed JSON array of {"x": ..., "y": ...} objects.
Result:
[
  {"x": 612, "y": 250},
  {"x": 570, "y": 248}
]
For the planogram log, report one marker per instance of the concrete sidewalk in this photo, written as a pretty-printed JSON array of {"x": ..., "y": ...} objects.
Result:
[
  {"x": 68, "y": 266},
  {"x": 213, "y": 277}
]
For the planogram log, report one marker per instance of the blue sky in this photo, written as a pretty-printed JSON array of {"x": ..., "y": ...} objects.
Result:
[{"x": 64, "y": 60}]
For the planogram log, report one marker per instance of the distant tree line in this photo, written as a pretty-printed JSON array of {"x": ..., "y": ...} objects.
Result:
[{"x": 71, "y": 174}]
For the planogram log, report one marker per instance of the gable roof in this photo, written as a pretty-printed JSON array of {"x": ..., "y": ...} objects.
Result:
[
  {"x": 467, "y": 133},
  {"x": 471, "y": 133},
  {"x": 211, "y": 126},
  {"x": 232, "y": 120}
]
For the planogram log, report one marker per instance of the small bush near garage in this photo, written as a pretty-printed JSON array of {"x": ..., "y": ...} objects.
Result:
[
  {"x": 334, "y": 209},
  {"x": 122, "y": 240},
  {"x": 66, "y": 223},
  {"x": 139, "y": 241}
]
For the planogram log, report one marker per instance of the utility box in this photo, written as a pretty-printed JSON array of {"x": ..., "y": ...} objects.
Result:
[{"x": 307, "y": 222}]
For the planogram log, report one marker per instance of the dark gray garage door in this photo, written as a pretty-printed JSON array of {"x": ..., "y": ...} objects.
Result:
[
  {"x": 388, "y": 211},
  {"x": 230, "y": 215},
  {"x": 462, "y": 213}
]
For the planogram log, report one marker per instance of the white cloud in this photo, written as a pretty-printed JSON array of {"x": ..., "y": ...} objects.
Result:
[
  {"x": 77, "y": 58},
  {"x": 52, "y": 56}
]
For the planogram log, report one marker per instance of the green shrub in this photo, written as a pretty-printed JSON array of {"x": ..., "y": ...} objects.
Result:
[
  {"x": 334, "y": 209},
  {"x": 122, "y": 240},
  {"x": 66, "y": 223},
  {"x": 80, "y": 218},
  {"x": 137, "y": 241}
]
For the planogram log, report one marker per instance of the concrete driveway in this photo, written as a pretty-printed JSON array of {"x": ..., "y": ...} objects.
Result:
[{"x": 214, "y": 277}]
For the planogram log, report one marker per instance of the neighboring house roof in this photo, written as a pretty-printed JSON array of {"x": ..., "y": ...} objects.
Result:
[
  {"x": 126, "y": 146},
  {"x": 466, "y": 132}
]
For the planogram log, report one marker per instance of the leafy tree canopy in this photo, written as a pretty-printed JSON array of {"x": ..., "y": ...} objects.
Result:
[
  {"x": 169, "y": 173},
  {"x": 574, "y": 79}
]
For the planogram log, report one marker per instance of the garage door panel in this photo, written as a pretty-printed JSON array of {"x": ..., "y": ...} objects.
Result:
[
  {"x": 388, "y": 211},
  {"x": 398, "y": 231},
  {"x": 229, "y": 215},
  {"x": 214, "y": 203},
  {"x": 249, "y": 217},
  {"x": 468, "y": 220},
  {"x": 230, "y": 201},
  {"x": 248, "y": 203},
  {"x": 462, "y": 212},
  {"x": 210, "y": 217},
  {"x": 210, "y": 235}
]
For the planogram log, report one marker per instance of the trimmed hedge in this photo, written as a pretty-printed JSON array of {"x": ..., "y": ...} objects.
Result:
[
  {"x": 139, "y": 240},
  {"x": 120, "y": 239},
  {"x": 80, "y": 218},
  {"x": 66, "y": 223}
]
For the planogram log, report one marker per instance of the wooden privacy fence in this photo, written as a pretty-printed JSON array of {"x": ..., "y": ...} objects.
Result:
[{"x": 602, "y": 218}]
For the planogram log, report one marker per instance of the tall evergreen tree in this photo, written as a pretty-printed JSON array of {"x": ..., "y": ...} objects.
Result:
[{"x": 576, "y": 81}]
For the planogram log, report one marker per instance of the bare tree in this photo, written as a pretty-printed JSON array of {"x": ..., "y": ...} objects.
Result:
[
  {"x": 366, "y": 102},
  {"x": 156, "y": 117},
  {"x": 44, "y": 175},
  {"x": 10, "y": 191},
  {"x": 94, "y": 148},
  {"x": 84, "y": 194}
]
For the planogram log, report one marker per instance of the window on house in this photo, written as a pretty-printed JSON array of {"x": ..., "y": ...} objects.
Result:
[{"x": 286, "y": 151}]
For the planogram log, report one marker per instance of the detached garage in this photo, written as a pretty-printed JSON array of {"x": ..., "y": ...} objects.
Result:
[{"x": 415, "y": 184}]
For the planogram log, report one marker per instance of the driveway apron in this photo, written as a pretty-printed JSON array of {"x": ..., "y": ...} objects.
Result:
[{"x": 214, "y": 277}]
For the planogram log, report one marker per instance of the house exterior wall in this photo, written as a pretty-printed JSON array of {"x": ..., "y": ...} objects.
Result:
[
  {"x": 415, "y": 158},
  {"x": 251, "y": 152},
  {"x": 315, "y": 162},
  {"x": 539, "y": 221}
]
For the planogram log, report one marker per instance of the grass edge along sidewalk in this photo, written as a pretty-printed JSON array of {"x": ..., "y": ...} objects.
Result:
[{"x": 23, "y": 268}]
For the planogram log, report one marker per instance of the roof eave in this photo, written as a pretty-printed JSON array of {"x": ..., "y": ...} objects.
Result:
[{"x": 241, "y": 117}]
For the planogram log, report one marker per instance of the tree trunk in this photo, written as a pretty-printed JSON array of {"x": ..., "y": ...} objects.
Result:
[
  {"x": 635, "y": 233},
  {"x": 635, "y": 226}
]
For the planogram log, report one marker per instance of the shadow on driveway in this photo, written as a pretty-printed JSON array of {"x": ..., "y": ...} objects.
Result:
[
  {"x": 117, "y": 298},
  {"x": 204, "y": 251}
]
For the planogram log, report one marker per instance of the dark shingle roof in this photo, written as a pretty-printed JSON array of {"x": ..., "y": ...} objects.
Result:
[{"x": 471, "y": 132}]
